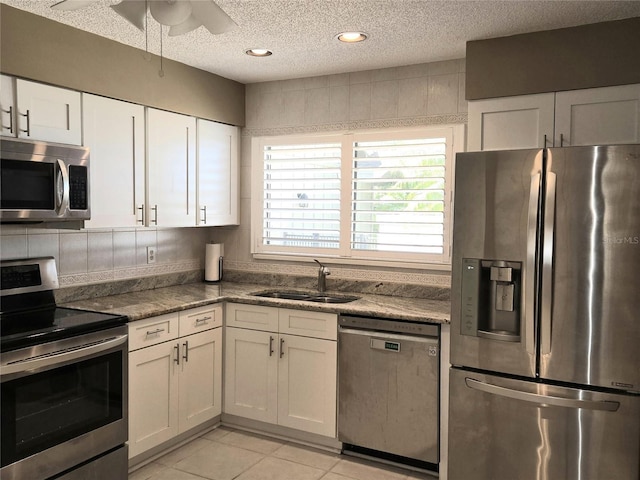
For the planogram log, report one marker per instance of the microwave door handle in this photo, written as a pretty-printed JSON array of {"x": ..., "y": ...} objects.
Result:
[{"x": 62, "y": 188}]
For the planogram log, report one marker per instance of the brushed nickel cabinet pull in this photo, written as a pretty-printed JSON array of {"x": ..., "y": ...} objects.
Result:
[
  {"x": 10, "y": 112},
  {"x": 154, "y": 332},
  {"x": 28, "y": 130}
]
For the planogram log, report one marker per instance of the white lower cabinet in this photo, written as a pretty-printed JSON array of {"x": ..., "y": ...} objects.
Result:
[
  {"x": 280, "y": 378},
  {"x": 175, "y": 375}
]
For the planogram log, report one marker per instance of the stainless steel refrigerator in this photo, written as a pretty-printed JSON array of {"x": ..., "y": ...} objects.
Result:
[{"x": 545, "y": 319}]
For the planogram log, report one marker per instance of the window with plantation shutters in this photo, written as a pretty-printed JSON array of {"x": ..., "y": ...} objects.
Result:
[
  {"x": 399, "y": 195},
  {"x": 369, "y": 197},
  {"x": 301, "y": 195}
]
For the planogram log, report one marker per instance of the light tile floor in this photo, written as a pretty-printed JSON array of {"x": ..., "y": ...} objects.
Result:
[{"x": 226, "y": 454}]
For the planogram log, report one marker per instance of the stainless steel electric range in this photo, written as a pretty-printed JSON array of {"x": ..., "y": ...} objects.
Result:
[{"x": 63, "y": 376}]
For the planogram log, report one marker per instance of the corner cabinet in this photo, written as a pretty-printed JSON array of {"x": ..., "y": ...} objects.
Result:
[
  {"x": 595, "y": 116},
  {"x": 218, "y": 168},
  {"x": 114, "y": 132},
  {"x": 171, "y": 169},
  {"x": 281, "y": 367},
  {"x": 36, "y": 111},
  {"x": 175, "y": 375}
]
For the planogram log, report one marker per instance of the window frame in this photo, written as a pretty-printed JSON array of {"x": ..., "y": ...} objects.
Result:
[{"x": 344, "y": 255}]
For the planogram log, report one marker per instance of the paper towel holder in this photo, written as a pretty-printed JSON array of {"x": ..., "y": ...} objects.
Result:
[{"x": 214, "y": 258}]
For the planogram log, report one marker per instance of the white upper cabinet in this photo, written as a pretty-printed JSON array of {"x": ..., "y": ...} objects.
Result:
[
  {"x": 218, "y": 190},
  {"x": 511, "y": 122},
  {"x": 171, "y": 169},
  {"x": 8, "y": 106},
  {"x": 114, "y": 132},
  {"x": 47, "y": 113},
  {"x": 595, "y": 116},
  {"x": 598, "y": 116}
]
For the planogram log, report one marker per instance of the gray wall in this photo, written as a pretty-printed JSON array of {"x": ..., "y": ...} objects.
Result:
[
  {"x": 424, "y": 94},
  {"x": 40, "y": 49},
  {"x": 588, "y": 56}
]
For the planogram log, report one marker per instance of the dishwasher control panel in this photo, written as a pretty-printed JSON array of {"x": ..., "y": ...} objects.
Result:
[{"x": 389, "y": 325}]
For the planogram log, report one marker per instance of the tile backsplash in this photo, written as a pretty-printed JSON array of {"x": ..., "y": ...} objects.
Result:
[{"x": 92, "y": 256}]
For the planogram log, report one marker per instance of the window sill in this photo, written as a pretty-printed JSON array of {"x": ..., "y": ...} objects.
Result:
[{"x": 439, "y": 267}]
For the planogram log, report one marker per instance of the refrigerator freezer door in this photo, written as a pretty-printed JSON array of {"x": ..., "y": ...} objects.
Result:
[
  {"x": 501, "y": 428},
  {"x": 497, "y": 200},
  {"x": 589, "y": 331}
]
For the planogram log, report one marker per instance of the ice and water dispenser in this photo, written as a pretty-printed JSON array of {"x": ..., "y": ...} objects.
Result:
[{"x": 491, "y": 292}]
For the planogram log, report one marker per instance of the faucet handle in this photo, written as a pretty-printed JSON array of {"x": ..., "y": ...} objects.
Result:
[{"x": 323, "y": 268}]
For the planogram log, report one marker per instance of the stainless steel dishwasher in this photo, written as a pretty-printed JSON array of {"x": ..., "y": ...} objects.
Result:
[{"x": 388, "y": 404}]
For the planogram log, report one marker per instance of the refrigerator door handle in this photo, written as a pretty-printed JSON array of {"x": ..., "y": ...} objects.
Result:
[
  {"x": 547, "y": 265},
  {"x": 530, "y": 275},
  {"x": 542, "y": 400}
]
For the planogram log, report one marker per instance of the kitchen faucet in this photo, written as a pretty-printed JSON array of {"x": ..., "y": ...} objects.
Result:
[{"x": 322, "y": 276}]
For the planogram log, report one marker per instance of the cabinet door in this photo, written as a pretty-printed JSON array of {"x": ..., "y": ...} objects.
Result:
[
  {"x": 200, "y": 378},
  {"x": 7, "y": 106},
  {"x": 153, "y": 396},
  {"x": 218, "y": 187},
  {"x": 171, "y": 169},
  {"x": 307, "y": 376},
  {"x": 114, "y": 131},
  {"x": 511, "y": 122},
  {"x": 48, "y": 113},
  {"x": 598, "y": 116},
  {"x": 251, "y": 373}
]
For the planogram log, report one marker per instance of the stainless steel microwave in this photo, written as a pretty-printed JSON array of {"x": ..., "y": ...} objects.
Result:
[{"x": 43, "y": 182}]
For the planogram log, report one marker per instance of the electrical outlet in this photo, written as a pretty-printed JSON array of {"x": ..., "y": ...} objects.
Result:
[{"x": 151, "y": 255}]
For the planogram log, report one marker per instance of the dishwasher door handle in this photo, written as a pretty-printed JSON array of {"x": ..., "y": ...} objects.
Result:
[{"x": 388, "y": 337}]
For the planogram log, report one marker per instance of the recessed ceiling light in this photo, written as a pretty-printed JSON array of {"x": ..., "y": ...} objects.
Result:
[
  {"x": 258, "y": 52},
  {"x": 352, "y": 37}
]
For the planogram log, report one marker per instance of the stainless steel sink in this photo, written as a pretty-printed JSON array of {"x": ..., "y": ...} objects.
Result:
[
  {"x": 306, "y": 297},
  {"x": 321, "y": 298}
]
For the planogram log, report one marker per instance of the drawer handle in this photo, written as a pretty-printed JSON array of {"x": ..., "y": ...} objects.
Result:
[
  {"x": 154, "y": 332},
  {"x": 201, "y": 321}
]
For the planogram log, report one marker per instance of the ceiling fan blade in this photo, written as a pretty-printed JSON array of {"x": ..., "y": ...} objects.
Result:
[
  {"x": 212, "y": 16},
  {"x": 72, "y": 4},
  {"x": 185, "y": 27},
  {"x": 134, "y": 11}
]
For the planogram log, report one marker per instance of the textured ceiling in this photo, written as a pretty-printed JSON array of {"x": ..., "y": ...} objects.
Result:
[{"x": 301, "y": 32}]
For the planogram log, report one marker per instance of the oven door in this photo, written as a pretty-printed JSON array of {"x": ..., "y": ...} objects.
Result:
[{"x": 63, "y": 403}]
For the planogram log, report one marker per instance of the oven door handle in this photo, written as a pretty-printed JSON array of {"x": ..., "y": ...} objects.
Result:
[{"x": 61, "y": 356}]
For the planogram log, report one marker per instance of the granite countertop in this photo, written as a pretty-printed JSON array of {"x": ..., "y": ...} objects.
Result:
[{"x": 149, "y": 303}]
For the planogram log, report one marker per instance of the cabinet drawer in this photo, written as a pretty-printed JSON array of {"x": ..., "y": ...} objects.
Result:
[
  {"x": 151, "y": 331},
  {"x": 308, "y": 324},
  {"x": 200, "y": 319},
  {"x": 254, "y": 317}
]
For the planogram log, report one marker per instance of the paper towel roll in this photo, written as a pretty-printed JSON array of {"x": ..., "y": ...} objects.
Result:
[{"x": 213, "y": 262}]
